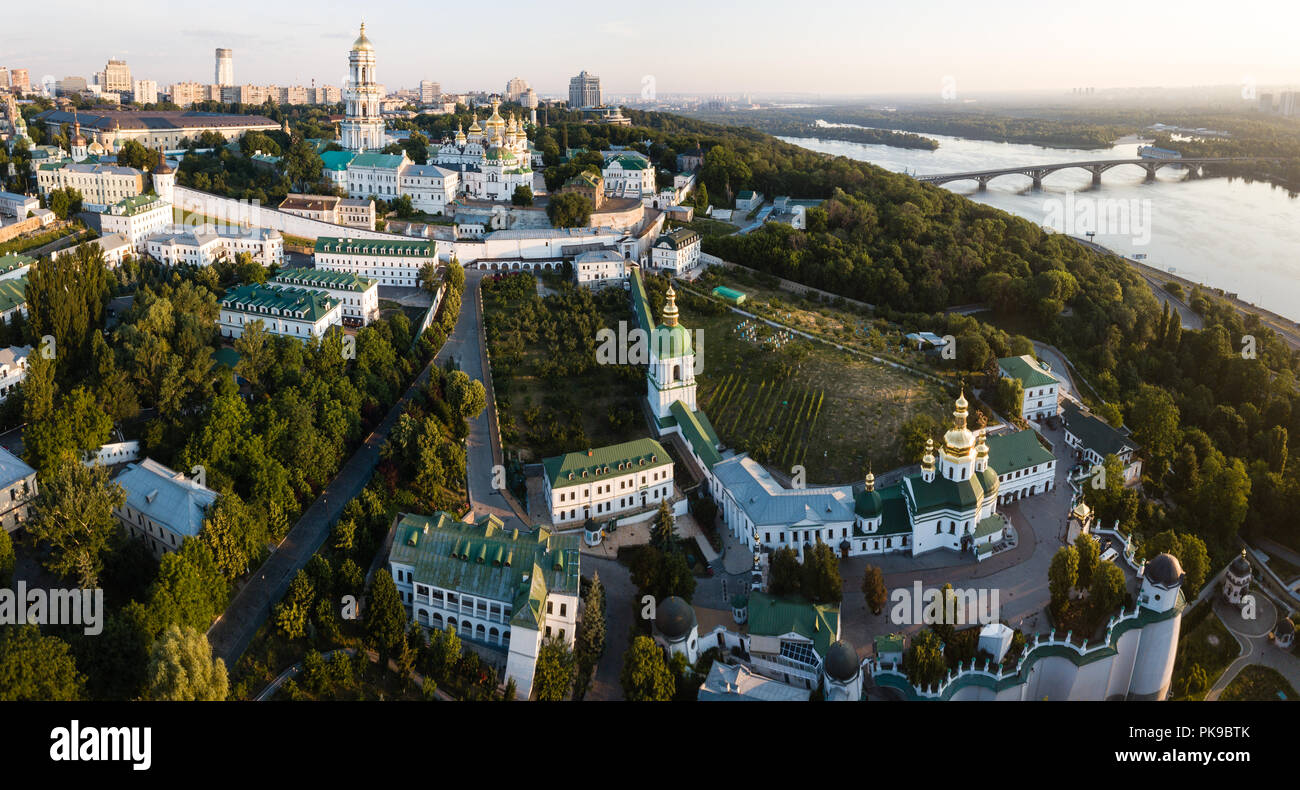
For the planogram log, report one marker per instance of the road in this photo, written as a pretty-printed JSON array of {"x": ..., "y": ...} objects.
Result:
[
  {"x": 483, "y": 452},
  {"x": 231, "y": 634},
  {"x": 758, "y": 221}
]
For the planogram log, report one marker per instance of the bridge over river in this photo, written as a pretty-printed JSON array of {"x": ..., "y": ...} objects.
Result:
[{"x": 1097, "y": 167}]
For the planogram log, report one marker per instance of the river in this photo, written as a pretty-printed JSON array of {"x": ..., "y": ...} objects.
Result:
[{"x": 1241, "y": 237}]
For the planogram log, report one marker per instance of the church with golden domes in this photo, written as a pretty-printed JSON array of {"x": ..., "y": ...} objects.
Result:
[{"x": 492, "y": 159}]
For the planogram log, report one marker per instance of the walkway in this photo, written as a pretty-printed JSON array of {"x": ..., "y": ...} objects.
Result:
[
  {"x": 467, "y": 346},
  {"x": 1256, "y": 648}
]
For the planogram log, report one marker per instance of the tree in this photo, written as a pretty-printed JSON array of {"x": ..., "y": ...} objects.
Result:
[
  {"x": 1191, "y": 553},
  {"x": 1010, "y": 397},
  {"x": 133, "y": 154},
  {"x": 821, "y": 582},
  {"x": 233, "y": 534},
  {"x": 36, "y": 667},
  {"x": 554, "y": 673},
  {"x": 65, "y": 202},
  {"x": 1089, "y": 556},
  {"x": 783, "y": 573},
  {"x": 523, "y": 196},
  {"x": 589, "y": 644},
  {"x": 294, "y": 611},
  {"x": 1154, "y": 420},
  {"x": 873, "y": 589},
  {"x": 1108, "y": 589},
  {"x": 74, "y": 517},
  {"x": 183, "y": 669},
  {"x": 256, "y": 350},
  {"x": 385, "y": 617},
  {"x": 302, "y": 164},
  {"x": 189, "y": 590},
  {"x": 645, "y": 676},
  {"x": 1063, "y": 573},
  {"x": 569, "y": 210},
  {"x": 923, "y": 663},
  {"x": 663, "y": 534},
  {"x": 465, "y": 395}
]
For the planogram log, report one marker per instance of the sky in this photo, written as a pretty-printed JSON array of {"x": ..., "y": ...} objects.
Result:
[{"x": 825, "y": 47}]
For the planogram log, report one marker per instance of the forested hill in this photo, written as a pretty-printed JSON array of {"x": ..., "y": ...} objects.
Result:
[{"x": 1214, "y": 422}]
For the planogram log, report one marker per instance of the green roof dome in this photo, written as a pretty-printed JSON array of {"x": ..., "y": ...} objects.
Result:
[
  {"x": 671, "y": 341},
  {"x": 868, "y": 504}
]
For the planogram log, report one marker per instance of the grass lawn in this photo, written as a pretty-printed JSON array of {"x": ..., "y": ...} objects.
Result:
[
  {"x": 1204, "y": 642},
  {"x": 792, "y": 401},
  {"x": 1258, "y": 684},
  {"x": 709, "y": 227}
]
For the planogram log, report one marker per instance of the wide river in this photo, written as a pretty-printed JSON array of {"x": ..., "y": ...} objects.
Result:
[{"x": 1243, "y": 238}]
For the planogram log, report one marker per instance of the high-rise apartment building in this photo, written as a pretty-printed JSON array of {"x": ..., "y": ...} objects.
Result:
[
  {"x": 430, "y": 92},
  {"x": 145, "y": 91},
  {"x": 516, "y": 88},
  {"x": 20, "y": 81},
  {"x": 584, "y": 91},
  {"x": 225, "y": 69},
  {"x": 116, "y": 77}
]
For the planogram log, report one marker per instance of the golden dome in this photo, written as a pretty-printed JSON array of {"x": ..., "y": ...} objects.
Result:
[
  {"x": 871, "y": 481},
  {"x": 362, "y": 44},
  {"x": 927, "y": 460},
  {"x": 474, "y": 127},
  {"x": 959, "y": 440}
]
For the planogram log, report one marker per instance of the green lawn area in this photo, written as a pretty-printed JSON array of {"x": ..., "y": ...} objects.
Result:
[
  {"x": 1205, "y": 643},
  {"x": 1258, "y": 684},
  {"x": 708, "y": 227},
  {"x": 792, "y": 401}
]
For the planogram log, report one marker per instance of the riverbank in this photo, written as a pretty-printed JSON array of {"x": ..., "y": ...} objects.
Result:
[{"x": 1285, "y": 327}]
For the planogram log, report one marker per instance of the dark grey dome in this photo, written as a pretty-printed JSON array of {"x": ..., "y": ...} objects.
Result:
[
  {"x": 842, "y": 661},
  {"x": 1165, "y": 570},
  {"x": 675, "y": 619},
  {"x": 1240, "y": 566},
  {"x": 1284, "y": 627}
]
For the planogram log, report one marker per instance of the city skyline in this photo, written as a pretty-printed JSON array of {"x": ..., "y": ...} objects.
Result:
[{"x": 860, "y": 51}]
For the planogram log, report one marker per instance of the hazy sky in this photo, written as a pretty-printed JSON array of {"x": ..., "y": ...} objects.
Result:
[{"x": 826, "y": 46}]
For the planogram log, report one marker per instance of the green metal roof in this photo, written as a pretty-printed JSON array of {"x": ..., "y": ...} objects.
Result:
[
  {"x": 698, "y": 432},
  {"x": 641, "y": 303},
  {"x": 628, "y": 162},
  {"x": 484, "y": 559},
  {"x": 14, "y": 261},
  {"x": 13, "y": 293},
  {"x": 943, "y": 493},
  {"x": 1027, "y": 370},
  {"x": 385, "y": 247},
  {"x": 772, "y": 616},
  {"x": 337, "y": 160},
  {"x": 299, "y": 303},
  {"x": 573, "y": 469},
  {"x": 1011, "y": 452},
  {"x": 894, "y": 518},
  {"x": 135, "y": 204},
  {"x": 324, "y": 278},
  {"x": 386, "y": 161},
  {"x": 990, "y": 525},
  {"x": 679, "y": 238}
]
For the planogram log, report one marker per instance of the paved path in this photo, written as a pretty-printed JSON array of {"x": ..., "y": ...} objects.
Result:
[
  {"x": 619, "y": 600},
  {"x": 231, "y": 634},
  {"x": 483, "y": 446},
  {"x": 1256, "y": 648}
]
